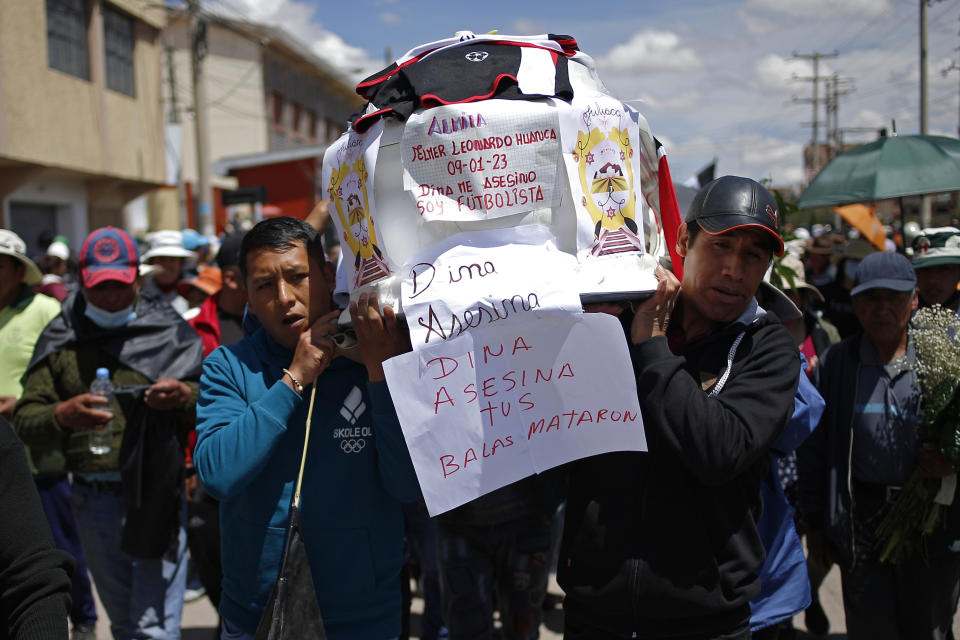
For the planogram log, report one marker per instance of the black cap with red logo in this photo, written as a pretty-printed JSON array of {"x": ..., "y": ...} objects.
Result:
[{"x": 732, "y": 202}]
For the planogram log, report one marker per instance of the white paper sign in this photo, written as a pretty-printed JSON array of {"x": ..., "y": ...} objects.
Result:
[
  {"x": 482, "y": 160},
  {"x": 348, "y": 166},
  {"x": 601, "y": 149},
  {"x": 501, "y": 403},
  {"x": 479, "y": 278}
]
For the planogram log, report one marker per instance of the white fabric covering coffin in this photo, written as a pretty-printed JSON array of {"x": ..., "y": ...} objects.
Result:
[{"x": 385, "y": 226}]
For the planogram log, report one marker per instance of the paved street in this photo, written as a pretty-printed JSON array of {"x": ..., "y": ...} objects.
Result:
[{"x": 200, "y": 619}]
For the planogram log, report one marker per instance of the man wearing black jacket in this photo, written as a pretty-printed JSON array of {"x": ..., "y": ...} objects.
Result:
[
  {"x": 664, "y": 544},
  {"x": 128, "y": 501}
]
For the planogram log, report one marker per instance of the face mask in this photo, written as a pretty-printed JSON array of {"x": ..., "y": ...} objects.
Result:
[{"x": 110, "y": 319}]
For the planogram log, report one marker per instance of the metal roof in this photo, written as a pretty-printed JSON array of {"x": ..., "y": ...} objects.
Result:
[{"x": 225, "y": 165}]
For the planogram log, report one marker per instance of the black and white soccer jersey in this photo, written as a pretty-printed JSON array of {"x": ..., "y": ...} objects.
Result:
[{"x": 456, "y": 71}]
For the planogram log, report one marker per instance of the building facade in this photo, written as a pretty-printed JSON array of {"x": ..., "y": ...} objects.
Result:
[
  {"x": 267, "y": 95},
  {"x": 81, "y": 119}
]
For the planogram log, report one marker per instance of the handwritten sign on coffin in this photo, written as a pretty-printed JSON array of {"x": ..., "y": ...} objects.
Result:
[
  {"x": 482, "y": 160},
  {"x": 478, "y": 278},
  {"x": 502, "y": 402}
]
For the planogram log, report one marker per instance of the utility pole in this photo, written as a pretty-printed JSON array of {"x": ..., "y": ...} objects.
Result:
[
  {"x": 926, "y": 214},
  {"x": 815, "y": 57},
  {"x": 174, "y": 119},
  {"x": 945, "y": 72},
  {"x": 198, "y": 51},
  {"x": 836, "y": 87},
  {"x": 924, "y": 107}
]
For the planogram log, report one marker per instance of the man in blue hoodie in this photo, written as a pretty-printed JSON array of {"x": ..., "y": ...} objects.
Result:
[{"x": 251, "y": 422}]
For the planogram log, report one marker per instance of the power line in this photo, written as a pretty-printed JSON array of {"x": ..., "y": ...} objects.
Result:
[
  {"x": 865, "y": 28},
  {"x": 948, "y": 97},
  {"x": 815, "y": 57},
  {"x": 238, "y": 112},
  {"x": 239, "y": 83},
  {"x": 839, "y": 29}
]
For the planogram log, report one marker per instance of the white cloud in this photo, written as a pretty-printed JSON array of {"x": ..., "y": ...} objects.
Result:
[
  {"x": 650, "y": 50},
  {"x": 771, "y": 157},
  {"x": 776, "y": 73},
  {"x": 824, "y": 8},
  {"x": 390, "y": 18},
  {"x": 527, "y": 26},
  {"x": 749, "y": 154},
  {"x": 762, "y": 151},
  {"x": 870, "y": 118},
  {"x": 667, "y": 143},
  {"x": 684, "y": 100},
  {"x": 756, "y": 24},
  {"x": 943, "y": 131},
  {"x": 299, "y": 19}
]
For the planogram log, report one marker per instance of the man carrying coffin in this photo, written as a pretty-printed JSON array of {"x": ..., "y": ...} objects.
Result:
[
  {"x": 251, "y": 423},
  {"x": 664, "y": 544}
]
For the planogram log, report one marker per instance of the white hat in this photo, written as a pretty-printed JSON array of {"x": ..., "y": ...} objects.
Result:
[
  {"x": 166, "y": 243},
  {"x": 58, "y": 249},
  {"x": 936, "y": 246},
  {"x": 13, "y": 245},
  {"x": 145, "y": 269}
]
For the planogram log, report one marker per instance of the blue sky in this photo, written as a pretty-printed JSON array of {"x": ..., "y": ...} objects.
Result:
[{"x": 714, "y": 77}]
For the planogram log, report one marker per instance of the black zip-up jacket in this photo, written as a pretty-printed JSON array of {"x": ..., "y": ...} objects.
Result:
[{"x": 664, "y": 544}]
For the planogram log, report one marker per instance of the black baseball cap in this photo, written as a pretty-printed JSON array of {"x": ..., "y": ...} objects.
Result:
[
  {"x": 884, "y": 270},
  {"x": 732, "y": 202},
  {"x": 229, "y": 253}
]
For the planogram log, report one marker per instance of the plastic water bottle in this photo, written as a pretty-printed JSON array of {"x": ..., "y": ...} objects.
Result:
[{"x": 101, "y": 440}]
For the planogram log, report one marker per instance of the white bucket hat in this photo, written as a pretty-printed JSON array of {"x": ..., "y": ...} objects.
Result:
[
  {"x": 167, "y": 243},
  {"x": 13, "y": 245}
]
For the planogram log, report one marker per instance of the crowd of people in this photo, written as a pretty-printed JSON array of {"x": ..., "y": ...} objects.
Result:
[{"x": 780, "y": 399}]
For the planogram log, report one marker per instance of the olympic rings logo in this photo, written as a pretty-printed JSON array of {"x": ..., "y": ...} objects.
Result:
[{"x": 353, "y": 445}]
